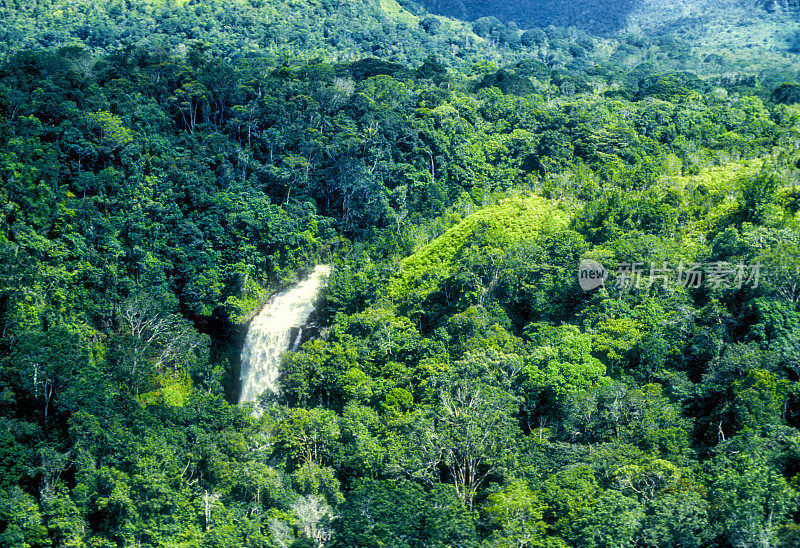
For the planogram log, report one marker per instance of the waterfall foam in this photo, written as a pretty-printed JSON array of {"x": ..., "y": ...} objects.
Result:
[{"x": 269, "y": 334}]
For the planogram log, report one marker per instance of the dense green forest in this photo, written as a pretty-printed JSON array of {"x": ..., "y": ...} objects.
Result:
[
  {"x": 602, "y": 16},
  {"x": 166, "y": 166}
]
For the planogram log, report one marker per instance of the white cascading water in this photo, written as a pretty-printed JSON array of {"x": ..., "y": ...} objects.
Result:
[{"x": 269, "y": 334}]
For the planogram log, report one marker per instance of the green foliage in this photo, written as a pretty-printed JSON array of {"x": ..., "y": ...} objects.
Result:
[
  {"x": 517, "y": 512},
  {"x": 307, "y": 436},
  {"x": 563, "y": 362},
  {"x": 513, "y": 220},
  {"x": 459, "y": 387},
  {"x": 381, "y": 513},
  {"x": 23, "y": 522},
  {"x": 757, "y": 195},
  {"x": 748, "y": 498},
  {"x": 787, "y": 93},
  {"x": 612, "y": 521}
]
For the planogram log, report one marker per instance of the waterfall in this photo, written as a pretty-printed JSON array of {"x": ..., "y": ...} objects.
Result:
[{"x": 270, "y": 334}]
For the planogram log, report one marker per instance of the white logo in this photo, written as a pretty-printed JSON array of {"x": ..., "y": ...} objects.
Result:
[{"x": 591, "y": 274}]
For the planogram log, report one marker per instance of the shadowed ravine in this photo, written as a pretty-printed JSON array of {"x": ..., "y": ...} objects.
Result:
[{"x": 276, "y": 329}]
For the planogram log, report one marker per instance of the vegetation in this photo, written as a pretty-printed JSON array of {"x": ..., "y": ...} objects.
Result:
[
  {"x": 510, "y": 222},
  {"x": 160, "y": 178}
]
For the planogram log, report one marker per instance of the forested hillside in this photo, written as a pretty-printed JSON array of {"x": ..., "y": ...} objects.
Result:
[
  {"x": 332, "y": 29},
  {"x": 758, "y": 28},
  {"x": 588, "y": 14},
  {"x": 463, "y": 390}
]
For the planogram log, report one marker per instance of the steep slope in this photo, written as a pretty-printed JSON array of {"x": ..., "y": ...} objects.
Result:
[
  {"x": 511, "y": 220},
  {"x": 587, "y": 14},
  {"x": 744, "y": 26},
  {"x": 726, "y": 25}
]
